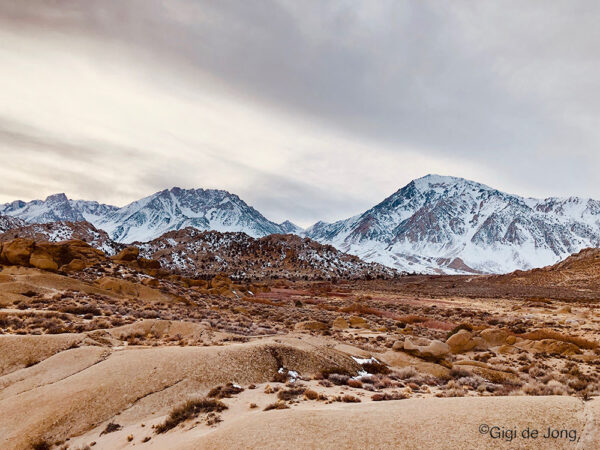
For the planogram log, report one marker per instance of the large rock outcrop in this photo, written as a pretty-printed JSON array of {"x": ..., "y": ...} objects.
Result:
[{"x": 65, "y": 256}]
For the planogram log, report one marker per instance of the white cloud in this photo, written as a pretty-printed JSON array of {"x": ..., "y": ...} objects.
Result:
[{"x": 306, "y": 111}]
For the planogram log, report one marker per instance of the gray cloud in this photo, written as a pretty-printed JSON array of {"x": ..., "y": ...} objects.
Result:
[{"x": 508, "y": 86}]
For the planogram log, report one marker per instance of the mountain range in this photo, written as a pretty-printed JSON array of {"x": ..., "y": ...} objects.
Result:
[
  {"x": 152, "y": 216},
  {"x": 435, "y": 224}
]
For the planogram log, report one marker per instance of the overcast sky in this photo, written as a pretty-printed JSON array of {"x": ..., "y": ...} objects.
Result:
[{"x": 307, "y": 110}]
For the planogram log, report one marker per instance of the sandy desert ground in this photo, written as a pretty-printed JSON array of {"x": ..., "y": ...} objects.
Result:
[{"x": 110, "y": 353}]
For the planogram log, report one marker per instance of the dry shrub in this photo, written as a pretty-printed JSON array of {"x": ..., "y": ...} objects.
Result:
[
  {"x": 383, "y": 382},
  {"x": 325, "y": 373},
  {"x": 276, "y": 405},
  {"x": 189, "y": 410},
  {"x": 350, "y": 399},
  {"x": 226, "y": 391},
  {"x": 553, "y": 387},
  {"x": 280, "y": 377},
  {"x": 355, "y": 383},
  {"x": 405, "y": 373},
  {"x": 376, "y": 368},
  {"x": 459, "y": 372},
  {"x": 338, "y": 379},
  {"x": 41, "y": 445},
  {"x": 545, "y": 333},
  {"x": 82, "y": 310},
  {"x": 454, "y": 389},
  {"x": 387, "y": 396},
  {"x": 111, "y": 428},
  {"x": 311, "y": 395},
  {"x": 289, "y": 394}
]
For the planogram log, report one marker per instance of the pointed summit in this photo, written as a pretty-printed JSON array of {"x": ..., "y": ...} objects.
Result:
[
  {"x": 439, "y": 223},
  {"x": 290, "y": 228}
]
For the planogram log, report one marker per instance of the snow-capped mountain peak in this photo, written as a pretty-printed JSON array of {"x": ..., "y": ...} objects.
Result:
[
  {"x": 290, "y": 227},
  {"x": 443, "y": 223},
  {"x": 433, "y": 224},
  {"x": 55, "y": 208},
  {"x": 174, "y": 209},
  {"x": 152, "y": 216}
]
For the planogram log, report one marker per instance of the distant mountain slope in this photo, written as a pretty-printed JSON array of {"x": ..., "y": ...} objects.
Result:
[
  {"x": 9, "y": 223},
  {"x": 177, "y": 208},
  {"x": 64, "y": 231},
  {"x": 193, "y": 252},
  {"x": 150, "y": 217},
  {"x": 452, "y": 225},
  {"x": 434, "y": 224},
  {"x": 581, "y": 271},
  {"x": 289, "y": 227}
]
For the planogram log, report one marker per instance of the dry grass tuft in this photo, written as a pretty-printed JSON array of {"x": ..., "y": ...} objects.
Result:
[
  {"x": 189, "y": 410},
  {"x": 276, "y": 405},
  {"x": 226, "y": 391}
]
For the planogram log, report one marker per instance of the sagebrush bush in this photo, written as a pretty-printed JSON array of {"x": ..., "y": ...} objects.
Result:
[
  {"x": 189, "y": 410},
  {"x": 276, "y": 405}
]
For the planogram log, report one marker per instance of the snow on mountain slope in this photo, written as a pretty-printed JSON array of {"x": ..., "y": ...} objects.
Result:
[
  {"x": 193, "y": 252},
  {"x": 434, "y": 224},
  {"x": 452, "y": 225},
  {"x": 290, "y": 228},
  {"x": 63, "y": 231},
  {"x": 55, "y": 208},
  {"x": 177, "y": 208},
  {"x": 10, "y": 223},
  {"x": 150, "y": 217}
]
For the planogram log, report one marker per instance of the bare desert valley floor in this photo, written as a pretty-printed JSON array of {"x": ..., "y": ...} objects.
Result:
[{"x": 117, "y": 352}]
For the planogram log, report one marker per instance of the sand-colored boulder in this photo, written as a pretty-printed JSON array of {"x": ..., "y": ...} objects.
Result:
[
  {"x": 311, "y": 325},
  {"x": 460, "y": 342},
  {"x": 494, "y": 336},
  {"x": 340, "y": 324},
  {"x": 41, "y": 259},
  {"x": 425, "y": 348},
  {"x": 496, "y": 376},
  {"x": 65, "y": 252},
  {"x": 76, "y": 265},
  {"x": 551, "y": 346},
  {"x": 149, "y": 264},
  {"x": 49, "y": 255},
  {"x": 398, "y": 346},
  {"x": 470, "y": 362},
  {"x": 17, "y": 252},
  {"x": 127, "y": 255},
  {"x": 117, "y": 286},
  {"x": 358, "y": 322}
]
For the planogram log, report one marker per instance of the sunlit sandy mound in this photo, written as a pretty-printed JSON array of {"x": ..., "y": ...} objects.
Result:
[
  {"x": 74, "y": 390},
  {"x": 414, "y": 424}
]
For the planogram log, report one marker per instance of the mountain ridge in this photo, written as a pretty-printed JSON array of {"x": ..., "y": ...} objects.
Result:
[
  {"x": 436, "y": 221},
  {"x": 434, "y": 224}
]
